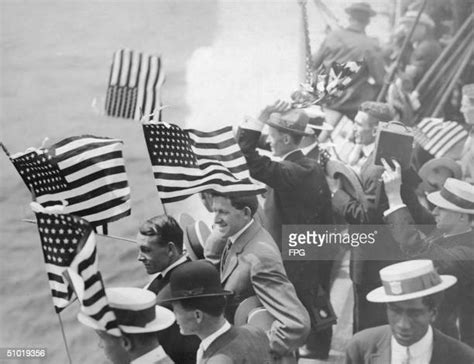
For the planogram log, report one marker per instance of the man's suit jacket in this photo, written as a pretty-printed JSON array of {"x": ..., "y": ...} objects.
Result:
[
  {"x": 372, "y": 346},
  {"x": 239, "y": 345},
  {"x": 253, "y": 266},
  {"x": 367, "y": 260},
  {"x": 298, "y": 193},
  {"x": 451, "y": 255},
  {"x": 181, "y": 349}
]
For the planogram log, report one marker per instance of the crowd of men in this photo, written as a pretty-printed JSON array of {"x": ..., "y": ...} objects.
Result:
[{"x": 240, "y": 302}]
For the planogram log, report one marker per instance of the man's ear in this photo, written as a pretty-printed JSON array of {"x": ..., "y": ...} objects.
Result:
[
  {"x": 286, "y": 139},
  {"x": 248, "y": 212},
  {"x": 126, "y": 342},
  {"x": 172, "y": 249},
  {"x": 198, "y": 315},
  {"x": 434, "y": 313}
]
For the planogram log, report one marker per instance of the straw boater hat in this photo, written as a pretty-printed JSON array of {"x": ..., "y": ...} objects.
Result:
[
  {"x": 293, "y": 121},
  {"x": 251, "y": 311},
  {"x": 409, "y": 280},
  {"x": 411, "y": 15},
  {"x": 455, "y": 196},
  {"x": 360, "y": 8},
  {"x": 136, "y": 311},
  {"x": 194, "y": 280},
  {"x": 433, "y": 167}
]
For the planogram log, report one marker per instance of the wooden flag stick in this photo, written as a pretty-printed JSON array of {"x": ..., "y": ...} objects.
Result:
[
  {"x": 5, "y": 149},
  {"x": 64, "y": 339},
  {"x": 107, "y": 236}
]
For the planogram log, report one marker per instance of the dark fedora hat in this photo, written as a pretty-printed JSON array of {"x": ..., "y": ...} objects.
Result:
[
  {"x": 193, "y": 280},
  {"x": 360, "y": 7},
  {"x": 293, "y": 121}
]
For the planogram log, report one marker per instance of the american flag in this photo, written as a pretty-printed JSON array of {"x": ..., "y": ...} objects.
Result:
[
  {"x": 87, "y": 172},
  {"x": 437, "y": 137},
  {"x": 134, "y": 89},
  {"x": 189, "y": 161},
  {"x": 68, "y": 243}
]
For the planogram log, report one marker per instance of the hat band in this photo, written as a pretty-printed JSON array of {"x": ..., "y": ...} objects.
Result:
[
  {"x": 458, "y": 201},
  {"x": 138, "y": 318},
  {"x": 412, "y": 285}
]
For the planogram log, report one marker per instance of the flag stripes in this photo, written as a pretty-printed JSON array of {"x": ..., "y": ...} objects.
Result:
[
  {"x": 437, "y": 136},
  {"x": 185, "y": 162},
  {"x": 88, "y": 172},
  {"x": 135, "y": 86}
]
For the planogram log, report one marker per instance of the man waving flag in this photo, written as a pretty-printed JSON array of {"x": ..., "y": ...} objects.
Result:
[{"x": 189, "y": 161}]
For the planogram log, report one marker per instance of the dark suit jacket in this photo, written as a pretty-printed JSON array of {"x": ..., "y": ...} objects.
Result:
[
  {"x": 298, "y": 194},
  {"x": 254, "y": 267},
  {"x": 452, "y": 255},
  {"x": 367, "y": 260},
  {"x": 372, "y": 346},
  {"x": 239, "y": 345},
  {"x": 181, "y": 349}
]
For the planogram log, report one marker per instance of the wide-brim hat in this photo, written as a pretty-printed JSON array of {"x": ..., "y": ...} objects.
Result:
[
  {"x": 409, "y": 280},
  {"x": 351, "y": 183},
  {"x": 360, "y": 7},
  {"x": 195, "y": 235},
  {"x": 456, "y": 195},
  {"x": 136, "y": 311},
  {"x": 431, "y": 167},
  {"x": 194, "y": 280},
  {"x": 424, "y": 19},
  {"x": 293, "y": 121}
]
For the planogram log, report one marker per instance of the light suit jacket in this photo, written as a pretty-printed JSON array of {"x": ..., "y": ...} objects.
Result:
[{"x": 254, "y": 267}]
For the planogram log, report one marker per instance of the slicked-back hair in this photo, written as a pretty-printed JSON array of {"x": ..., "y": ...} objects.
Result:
[
  {"x": 241, "y": 202},
  {"x": 165, "y": 228}
]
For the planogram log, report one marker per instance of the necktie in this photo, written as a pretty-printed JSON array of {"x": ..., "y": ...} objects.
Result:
[
  {"x": 225, "y": 253},
  {"x": 406, "y": 360}
]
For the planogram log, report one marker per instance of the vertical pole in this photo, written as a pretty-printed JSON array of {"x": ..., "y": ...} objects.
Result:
[{"x": 64, "y": 339}]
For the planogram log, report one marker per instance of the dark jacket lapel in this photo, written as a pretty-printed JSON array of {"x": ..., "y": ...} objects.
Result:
[{"x": 219, "y": 343}]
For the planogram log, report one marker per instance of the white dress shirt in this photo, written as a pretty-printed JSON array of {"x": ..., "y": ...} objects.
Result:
[
  {"x": 419, "y": 353},
  {"x": 157, "y": 355}
]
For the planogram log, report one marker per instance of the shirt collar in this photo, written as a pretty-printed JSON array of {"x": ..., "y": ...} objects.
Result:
[
  {"x": 310, "y": 147},
  {"x": 368, "y": 149},
  {"x": 234, "y": 237},
  {"x": 205, "y": 343},
  {"x": 166, "y": 270},
  {"x": 153, "y": 356},
  {"x": 422, "y": 349}
]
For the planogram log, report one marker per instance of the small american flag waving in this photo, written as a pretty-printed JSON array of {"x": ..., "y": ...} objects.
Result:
[
  {"x": 68, "y": 244},
  {"x": 87, "y": 172},
  {"x": 134, "y": 89},
  {"x": 189, "y": 161}
]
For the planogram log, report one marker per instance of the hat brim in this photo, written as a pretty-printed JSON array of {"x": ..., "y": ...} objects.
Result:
[
  {"x": 325, "y": 126},
  {"x": 179, "y": 298},
  {"x": 436, "y": 199},
  {"x": 195, "y": 237},
  {"x": 164, "y": 319},
  {"x": 288, "y": 130},
  {"x": 443, "y": 162},
  {"x": 378, "y": 295},
  {"x": 350, "y": 181}
]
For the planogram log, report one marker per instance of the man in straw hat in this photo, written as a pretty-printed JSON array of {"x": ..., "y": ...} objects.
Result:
[
  {"x": 450, "y": 246},
  {"x": 139, "y": 319},
  {"x": 160, "y": 249},
  {"x": 199, "y": 302},
  {"x": 297, "y": 194},
  {"x": 352, "y": 44},
  {"x": 411, "y": 291},
  {"x": 251, "y": 264}
]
